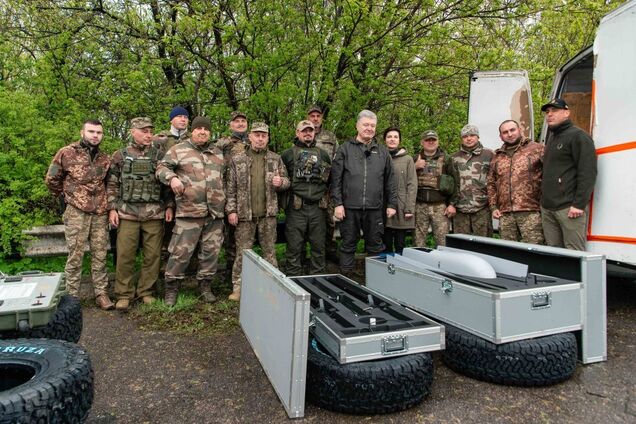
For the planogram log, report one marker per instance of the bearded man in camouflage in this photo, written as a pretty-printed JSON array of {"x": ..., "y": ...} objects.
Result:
[
  {"x": 252, "y": 202},
  {"x": 469, "y": 204},
  {"x": 514, "y": 185},
  {"x": 194, "y": 171},
  {"x": 78, "y": 173},
  {"x": 138, "y": 205}
]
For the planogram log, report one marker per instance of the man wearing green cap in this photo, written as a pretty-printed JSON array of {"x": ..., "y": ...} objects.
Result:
[
  {"x": 138, "y": 205},
  {"x": 256, "y": 175},
  {"x": 194, "y": 171},
  {"x": 231, "y": 146}
]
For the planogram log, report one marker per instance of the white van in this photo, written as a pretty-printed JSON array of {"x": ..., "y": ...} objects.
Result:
[{"x": 599, "y": 85}]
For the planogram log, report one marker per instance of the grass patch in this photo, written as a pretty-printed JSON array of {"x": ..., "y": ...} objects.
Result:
[{"x": 190, "y": 315}]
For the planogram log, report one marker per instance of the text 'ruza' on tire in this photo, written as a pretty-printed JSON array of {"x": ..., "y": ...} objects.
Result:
[
  {"x": 515, "y": 313},
  {"x": 347, "y": 348}
]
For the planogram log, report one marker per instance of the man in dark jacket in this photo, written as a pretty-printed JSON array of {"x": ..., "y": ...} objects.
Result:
[
  {"x": 362, "y": 182},
  {"x": 308, "y": 169},
  {"x": 569, "y": 174}
]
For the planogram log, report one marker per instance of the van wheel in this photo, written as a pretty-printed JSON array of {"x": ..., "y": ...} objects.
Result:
[
  {"x": 65, "y": 324},
  {"x": 44, "y": 381},
  {"x": 370, "y": 387},
  {"x": 533, "y": 362}
]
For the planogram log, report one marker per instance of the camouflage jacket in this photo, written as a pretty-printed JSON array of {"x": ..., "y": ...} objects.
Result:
[
  {"x": 172, "y": 140},
  {"x": 200, "y": 170},
  {"x": 239, "y": 185},
  {"x": 327, "y": 141},
  {"x": 136, "y": 211},
  {"x": 428, "y": 178},
  {"x": 230, "y": 146},
  {"x": 79, "y": 178},
  {"x": 514, "y": 181},
  {"x": 470, "y": 171}
]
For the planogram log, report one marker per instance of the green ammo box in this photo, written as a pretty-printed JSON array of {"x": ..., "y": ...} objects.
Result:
[{"x": 30, "y": 299}]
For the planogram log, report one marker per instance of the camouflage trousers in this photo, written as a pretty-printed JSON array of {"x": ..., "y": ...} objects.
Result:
[
  {"x": 521, "y": 226},
  {"x": 128, "y": 234},
  {"x": 561, "y": 231},
  {"x": 477, "y": 223},
  {"x": 187, "y": 233},
  {"x": 246, "y": 232},
  {"x": 430, "y": 214},
  {"x": 79, "y": 228}
]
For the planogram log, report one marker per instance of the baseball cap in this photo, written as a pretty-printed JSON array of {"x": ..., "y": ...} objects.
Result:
[
  {"x": 470, "y": 129},
  {"x": 314, "y": 108},
  {"x": 555, "y": 103},
  {"x": 304, "y": 124},
  {"x": 235, "y": 114},
  {"x": 429, "y": 134},
  {"x": 141, "y": 122},
  {"x": 260, "y": 127}
]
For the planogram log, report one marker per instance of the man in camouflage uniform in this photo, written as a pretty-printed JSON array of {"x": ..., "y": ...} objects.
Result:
[
  {"x": 138, "y": 204},
  {"x": 232, "y": 145},
  {"x": 431, "y": 202},
  {"x": 308, "y": 167},
  {"x": 514, "y": 185},
  {"x": 469, "y": 203},
  {"x": 194, "y": 171},
  {"x": 252, "y": 203},
  {"x": 326, "y": 140},
  {"x": 78, "y": 173}
]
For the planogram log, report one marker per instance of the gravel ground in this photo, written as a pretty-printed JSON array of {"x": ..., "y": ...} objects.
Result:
[{"x": 160, "y": 377}]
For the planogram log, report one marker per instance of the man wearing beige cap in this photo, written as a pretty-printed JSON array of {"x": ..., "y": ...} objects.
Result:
[
  {"x": 255, "y": 177},
  {"x": 308, "y": 168},
  {"x": 138, "y": 205},
  {"x": 232, "y": 145},
  {"x": 434, "y": 187},
  {"x": 469, "y": 203}
]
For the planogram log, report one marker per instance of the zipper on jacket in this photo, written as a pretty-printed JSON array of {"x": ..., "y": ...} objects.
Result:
[{"x": 364, "y": 184}]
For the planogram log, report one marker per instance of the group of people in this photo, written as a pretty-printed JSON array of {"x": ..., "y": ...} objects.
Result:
[{"x": 180, "y": 190}]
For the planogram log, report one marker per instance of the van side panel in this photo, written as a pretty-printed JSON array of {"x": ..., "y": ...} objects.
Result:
[{"x": 612, "y": 227}]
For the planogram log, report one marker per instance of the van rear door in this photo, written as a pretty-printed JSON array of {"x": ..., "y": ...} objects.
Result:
[
  {"x": 496, "y": 96},
  {"x": 612, "y": 228}
]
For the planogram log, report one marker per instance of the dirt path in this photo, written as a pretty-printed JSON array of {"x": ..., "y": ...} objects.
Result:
[{"x": 158, "y": 377}]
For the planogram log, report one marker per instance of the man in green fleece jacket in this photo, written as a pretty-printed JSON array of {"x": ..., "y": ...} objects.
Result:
[{"x": 569, "y": 174}]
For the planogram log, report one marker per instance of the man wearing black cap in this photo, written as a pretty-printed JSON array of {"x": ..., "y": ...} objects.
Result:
[
  {"x": 231, "y": 146},
  {"x": 569, "y": 174}
]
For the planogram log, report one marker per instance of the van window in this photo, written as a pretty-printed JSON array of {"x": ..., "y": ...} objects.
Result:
[{"x": 576, "y": 90}]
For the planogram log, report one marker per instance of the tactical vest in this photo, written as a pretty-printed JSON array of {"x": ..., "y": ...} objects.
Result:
[
  {"x": 138, "y": 181},
  {"x": 309, "y": 167},
  {"x": 429, "y": 176}
]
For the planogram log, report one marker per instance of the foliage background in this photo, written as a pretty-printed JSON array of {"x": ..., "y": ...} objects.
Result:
[{"x": 62, "y": 61}]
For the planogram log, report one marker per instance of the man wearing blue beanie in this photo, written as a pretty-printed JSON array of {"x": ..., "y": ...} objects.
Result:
[{"x": 179, "y": 118}]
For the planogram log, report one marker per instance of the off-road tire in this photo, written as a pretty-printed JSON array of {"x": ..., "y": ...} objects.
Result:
[
  {"x": 370, "y": 387},
  {"x": 44, "y": 381},
  {"x": 533, "y": 362},
  {"x": 65, "y": 324}
]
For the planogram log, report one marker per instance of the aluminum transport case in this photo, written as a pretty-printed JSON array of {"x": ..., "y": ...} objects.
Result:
[
  {"x": 558, "y": 291},
  {"x": 354, "y": 324},
  {"x": 29, "y": 300}
]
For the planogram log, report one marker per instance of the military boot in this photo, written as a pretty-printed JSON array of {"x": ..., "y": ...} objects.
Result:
[
  {"x": 236, "y": 294},
  {"x": 172, "y": 289},
  {"x": 206, "y": 291}
]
